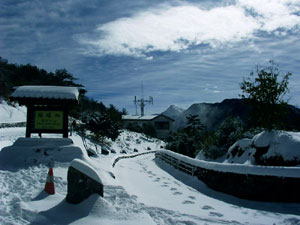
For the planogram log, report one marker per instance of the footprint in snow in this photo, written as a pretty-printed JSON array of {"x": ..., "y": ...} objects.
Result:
[
  {"x": 164, "y": 185},
  {"x": 216, "y": 214},
  {"x": 177, "y": 193},
  {"x": 157, "y": 179},
  {"x": 192, "y": 197},
  {"x": 207, "y": 207},
  {"x": 173, "y": 189},
  {"x": 188, "y": 202}
]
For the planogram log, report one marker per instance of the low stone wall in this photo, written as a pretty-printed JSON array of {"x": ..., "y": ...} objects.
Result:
[
  {"x": 253, "y": 187},
  {"x": 18, "y": 124},
  {"x": 247, "y": 186}
]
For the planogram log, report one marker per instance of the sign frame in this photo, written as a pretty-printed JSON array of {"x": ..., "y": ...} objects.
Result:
[{"x": 35, "y": 124}]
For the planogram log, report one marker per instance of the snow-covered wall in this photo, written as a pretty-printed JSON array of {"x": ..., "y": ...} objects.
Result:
[
  {"x": 237, "y": 168},
  {"x": 245, "y": 181}
]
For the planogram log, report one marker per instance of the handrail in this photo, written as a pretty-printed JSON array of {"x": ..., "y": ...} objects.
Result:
[
  {"x": 178, "y": 164},
  {"x": 130, "y": 156},
  {"x": 260, "y": 183}
]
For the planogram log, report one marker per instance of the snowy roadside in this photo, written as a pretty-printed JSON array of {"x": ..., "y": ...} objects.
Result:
[
  {"x": 182, "y": 199},
  {"x": 144, "y": 191},
  {"x": 23, "y": 200}
]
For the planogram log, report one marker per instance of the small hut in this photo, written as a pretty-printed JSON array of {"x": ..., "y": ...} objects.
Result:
[{"x": 47, "y": 107}]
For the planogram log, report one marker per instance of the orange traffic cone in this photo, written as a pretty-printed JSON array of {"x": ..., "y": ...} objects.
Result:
[{"x": 49, "y": 187}]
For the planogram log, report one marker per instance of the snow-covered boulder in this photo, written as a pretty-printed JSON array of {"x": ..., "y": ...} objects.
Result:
[
  {"x": 276, "y": 148},
  {"x": 83, "y": 181}
]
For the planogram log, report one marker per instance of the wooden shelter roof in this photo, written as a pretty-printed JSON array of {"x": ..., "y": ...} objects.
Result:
[{"x": 46, "y": 95}]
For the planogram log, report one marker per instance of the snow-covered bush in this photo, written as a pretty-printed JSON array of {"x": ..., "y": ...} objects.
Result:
[
  {"x": 274, "y": 148},
  {"x": 101, "y": 125}
]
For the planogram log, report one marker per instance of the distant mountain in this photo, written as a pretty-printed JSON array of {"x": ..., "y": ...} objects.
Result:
[
  {"x": 173, "y": 111},
  {"x": 213, "y": 114}
]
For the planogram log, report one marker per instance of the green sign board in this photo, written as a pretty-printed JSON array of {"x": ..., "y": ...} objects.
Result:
[{"x": 48, "y": 120}]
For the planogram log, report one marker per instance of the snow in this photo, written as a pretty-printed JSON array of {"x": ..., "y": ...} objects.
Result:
[
  {"x": 138, "y": 117},
  {"x": 27, "y": 152},
  {"x": 172, "y": 197},
  {"x": 86, "y": 169},
  {"x": 286, "y": 144},
  {"x": 10, "y": 114},
  {"x": 145, "y": 190},
  {"x": 278, "y": 143},
  {"x": 51, "y": 92}
]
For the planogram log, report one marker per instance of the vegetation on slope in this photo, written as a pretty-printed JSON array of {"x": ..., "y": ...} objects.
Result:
[{"x": 101, "y": 120}]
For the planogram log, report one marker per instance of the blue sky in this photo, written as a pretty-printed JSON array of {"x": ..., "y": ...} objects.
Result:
[{"x": 184, "y": 52}]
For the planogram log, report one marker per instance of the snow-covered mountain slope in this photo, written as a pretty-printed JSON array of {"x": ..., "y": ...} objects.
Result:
[
  {"x": 10, "y": 114},
  {"x": 212, "y": 114},
  {"x": 173, "y": 111}
]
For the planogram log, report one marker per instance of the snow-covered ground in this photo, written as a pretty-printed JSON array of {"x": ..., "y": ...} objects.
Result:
[
  {"x": 140, "y": 190},
  {"x": 144, "y": 191},
  {"x": 9, "y": 114}
]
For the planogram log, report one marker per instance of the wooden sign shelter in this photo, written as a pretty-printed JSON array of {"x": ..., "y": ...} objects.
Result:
[{"x": 47, "y": 107}]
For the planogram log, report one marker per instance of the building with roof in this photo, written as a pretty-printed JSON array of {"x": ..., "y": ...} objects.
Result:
[{"x": 163, "y": 124}]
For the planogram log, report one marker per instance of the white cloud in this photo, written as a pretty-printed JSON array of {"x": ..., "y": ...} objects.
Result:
[
  {"x": 175, "y": 28},
  {"x": 274, "y": 14}
]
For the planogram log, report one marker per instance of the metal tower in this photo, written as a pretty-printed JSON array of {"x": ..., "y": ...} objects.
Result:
[{"x": 142, "y": 102}]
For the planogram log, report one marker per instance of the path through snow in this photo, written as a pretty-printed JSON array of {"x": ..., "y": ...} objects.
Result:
[{"x": 169, "y": 201}]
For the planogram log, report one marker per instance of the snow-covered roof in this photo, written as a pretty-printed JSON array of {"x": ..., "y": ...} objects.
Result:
[
  {"x": 145, "y": 117},
  {"x": 138, "y": 117},
  {"x": 48, "y": 92}
]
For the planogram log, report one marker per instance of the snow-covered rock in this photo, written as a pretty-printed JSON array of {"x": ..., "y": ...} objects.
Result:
[
  {"x": 83, "y": 181},
  {"x": 86, "y": 169}
]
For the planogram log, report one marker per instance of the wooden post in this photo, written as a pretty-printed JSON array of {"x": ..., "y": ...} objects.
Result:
[
  {"x": 65, "y": 123},
  {"x": 29, "y": 121}
]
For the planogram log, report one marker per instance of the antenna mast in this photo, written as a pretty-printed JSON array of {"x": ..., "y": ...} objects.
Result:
[{"x": 142, "y": 102}]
